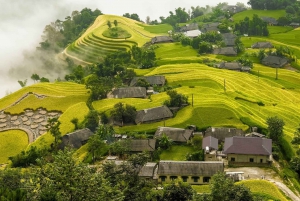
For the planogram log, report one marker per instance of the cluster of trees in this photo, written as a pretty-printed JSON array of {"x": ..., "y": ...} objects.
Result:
[
  {"x": 109, "y": 23},
  {"x": 280, "y": 51},
  {"x": 176, "y": 99},
  {"x": 254, "y": 27},
  {"x": 270, "y": 4},
  {"x": 133, "y": 16},
  {"x": 180, "y": 16},
  {"x": 123, "y": 113}
]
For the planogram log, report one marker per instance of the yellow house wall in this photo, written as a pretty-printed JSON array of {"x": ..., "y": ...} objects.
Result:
[
  {"x": 240, "y": 158},
  {"x": 190, "y": 179}
]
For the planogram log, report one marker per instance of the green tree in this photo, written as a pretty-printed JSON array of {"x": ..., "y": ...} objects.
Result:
[
  {"x": 115, "y": 23},
  {"x": 35, "y": 77},
  {"x": 109, "y": 24},
  {"x": 142, "y": 83},
  {"x": 92, "y": 120},
  {"x": 295, "y": 164},
  {"x": 22, "y": 83},
  {"x": 95, "y": 143},
  {"x": 43, "y": 79},
  {"x": 178, "y": 190},
  {"x": 53, "y": 128},
  {"x": 165, "y": 142},
  {"x": 205, "y": 47},
  {"x": 275, "y": 128},
  {"x": 176, "y": 99},
  {"x": 75, "y": 122},
  {"x": 296, "y": 138},
  {"x": 123, "y": 113}
]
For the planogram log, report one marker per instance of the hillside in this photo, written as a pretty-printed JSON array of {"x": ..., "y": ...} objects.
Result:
[{"x": 95, "y": 43}]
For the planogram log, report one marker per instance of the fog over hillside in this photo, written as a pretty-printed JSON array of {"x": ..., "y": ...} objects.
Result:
[{"x": 22, "y": 24}]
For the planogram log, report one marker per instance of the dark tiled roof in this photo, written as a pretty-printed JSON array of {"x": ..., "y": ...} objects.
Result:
[
  {"x": 152, "y": 80},
  {"x": 229, "y": 39},
  {"x": 153, "y": 114},
  {"x": 231, "y": 65},
  {"x": 274, "y": 61},
  {"x": 210, "y": 142},
  {"x": 221, "y": 133},
  {"x": 230, "y": 51},
  {"x": 262, "y": 45},
  {"x": 161, "y": 39},
  {"x": 142, "y": 145},
  {"x": 76, "y": 139},
  {"x": 189, "y": 27},
  {"x": 248, "y": 145},
  {"x": 190, "y": 168},
  {"x": 128, "y": 92},
  {"x": 148, "y": 170},
  {"x": 176, "y": 134}
]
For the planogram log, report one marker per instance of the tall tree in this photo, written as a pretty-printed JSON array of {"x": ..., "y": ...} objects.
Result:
[
  {"x": 165, "y": 142},
  {"x": 115, "y": 23},
  {"x": 275, "y": 127},
  {"x": 109, "y": 24},
  {"x": 35, "y": 77},
  {"x": 53, "y": 128},
  {"x": 178, "y": 190}
]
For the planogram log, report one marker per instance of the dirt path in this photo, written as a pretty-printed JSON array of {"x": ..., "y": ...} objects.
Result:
[{"x": 268, "y": 174}]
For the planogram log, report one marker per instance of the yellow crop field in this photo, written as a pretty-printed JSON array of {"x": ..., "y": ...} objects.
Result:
[{"x": 12, "y": 142}]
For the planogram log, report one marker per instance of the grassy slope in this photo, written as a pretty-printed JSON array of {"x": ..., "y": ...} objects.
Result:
[
  {"x": 157, "y": 29},
  {"x": 92, "y": 46},
  {"x": 12, "y": 142},
  {"x": 261, "y": 13},
  {"x": 176, "y": 152}
]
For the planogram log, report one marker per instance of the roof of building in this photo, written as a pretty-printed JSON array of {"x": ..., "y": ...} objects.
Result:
[
  {"x": 128, "y": 92},
  {"x": 221, "y": 132},
  {"x": 229, "y": 39},
  {"x": 142, "y": 145},
  {"x": 210, "y": 27},
  {"x": 192, "y": 33},
  {"x": 76, "y": 139},
  {"x": 161, "y": 39},
  {"x": 248, "y": 145},
  {"x": 231, "y": 65},
  {"x": 234, "y": 8},
  {"x": 210, "y": 142},
  {"x": 153, "y": 114},
  {"x": 189, "y": 27},
  {"x": 295, "y": 24},
  {"x": 190, "y": 168},
  {"x": 230, "y": 51},
  {"x": 152, "y": 80},
  {"x": 274, "y": 61},
  {"x": 262, "y": 45},
  {"x": 254, "y": 134},
  {"x": 270, "y": 20},
  {"x": 148, "y": 170},
  {"x": 176, "y": 134}
]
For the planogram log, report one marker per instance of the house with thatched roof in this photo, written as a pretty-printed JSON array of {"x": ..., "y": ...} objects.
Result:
[
  {"x": 234, "y": 66},
  {"x": 158, "y": 80},
  {"x": 189, "y": 27},
  {"x": 229, "y": 39},
  {"x": 140, "y": 145},
  {"x": 153, "y": 114},
  {"x": 295, "y": 24},
  {"x": 248, "y": 150},
  {"x": 128, "y": 92},
  {"x": 261, "y": 45},
  {"x": 193, "y": 33},
  {"x": 255, "y": 134},
  {"x": 162, "y": 39},
  {"x": 149, "y": 171},
  {"x": 274, "y": 61},
  {"x": 270, "y": 20},
  {"x": 210, "y": 27},
  {"x": 233, "y": 9},
  {"x": 175, "y": 134},
  {"x": 221, "y": 132},
  {"x": 75, "y": 139},
  {"x": 227, "y": 51},
  {"x": 193, "y": 172}
]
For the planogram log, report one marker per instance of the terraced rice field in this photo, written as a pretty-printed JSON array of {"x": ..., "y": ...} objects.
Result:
[
  {"x": 93, "y": 46},
  {"x": 261, "y": 13},
  {"x": 9, "y": 146}
]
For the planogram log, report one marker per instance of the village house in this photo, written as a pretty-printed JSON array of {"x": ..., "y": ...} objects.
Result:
[
  {"x": 158, "y": 80},
  {"x": 210, "y": 146},
  {"x": 75, "y": 139},
  {"x": 192, "y": 33},
  {"x": 210, "y": 27},
  {"x": 189, "y": 27},
  {"x": 270, "y": 21},
  {"x": 229, "y": 39},
  {"x": 233, "y": 9},
  {"x": 227, "y": 51},
  {"x": 149, "y": 171},
  {"x": 140, "y": 145},
  {"x": 221, "y": 132},
  {"x": 234, "y": 66},
  {"x": 161, "y": 39},
  {"x": 274, "y": 61},
  {"x": 153, "y": 115},
  {"x": 179, "y": 135},
  {"x": 193, "y": 172},
  {"x": 128, "y": 92},
  {"x": 248, "y": 150},
  {"x": 295, "y": 24},
  {"x": 260, "y": 45}
]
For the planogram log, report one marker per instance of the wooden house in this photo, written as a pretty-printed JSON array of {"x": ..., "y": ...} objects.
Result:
[
  {"x": 261, "y": 45},
  {"x": 176, "y": 134},
  {"x": 158, "y": 80},
  {"x": 193, "y": 172},
  {"x": 248, "y": 150},
  {"x": 149, "y": 171},
  {"x": 153, "y": 114},
  {"x": 140, "y": 145},
  {"x": 162, "y": 39},
  {"x": 227, "y": 51},
  {"x": 229, "y": 39},
  {"x": 128, "y": 92},
  {"x": 189, "y": 27},
  {"x": 274, "y": 61},
  {"x": 75, "y": 139},
  {"x": 221, "y": 132}
]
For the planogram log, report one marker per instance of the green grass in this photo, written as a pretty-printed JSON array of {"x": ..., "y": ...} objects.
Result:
[
  {"x": 158, "y": 29},
  {"x": 116, "y": 32},
  {"x": 279, "y": 29},
  {"x": 176, "y": 152},
  {"x": 264, "y": 187},
  {"x": 174, "y": 50},
  {"x": 201, "y": 188},
  {"x": 261, "y": 13},
  {"x": 12, "y": 142},
  {"x": 290, "y": 38}
]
